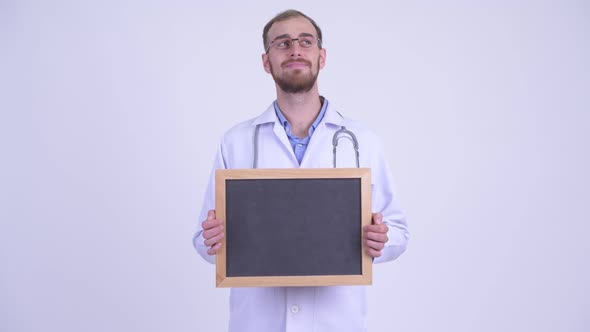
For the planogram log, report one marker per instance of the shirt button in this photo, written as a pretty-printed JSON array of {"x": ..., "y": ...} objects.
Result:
[{"x": 294, "y": 309}]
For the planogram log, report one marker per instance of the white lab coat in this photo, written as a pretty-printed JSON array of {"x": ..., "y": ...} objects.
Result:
[{"x": 305, "y": 309}]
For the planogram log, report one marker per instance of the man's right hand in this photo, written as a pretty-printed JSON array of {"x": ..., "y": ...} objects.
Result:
[{"x": 212, "y": 232}]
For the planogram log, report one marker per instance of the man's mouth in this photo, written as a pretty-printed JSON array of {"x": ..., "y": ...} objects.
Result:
[{"x": 296, "y": 64}]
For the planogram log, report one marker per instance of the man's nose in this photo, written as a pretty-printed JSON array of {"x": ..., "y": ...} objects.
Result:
[{"x": 295, "y": 48}]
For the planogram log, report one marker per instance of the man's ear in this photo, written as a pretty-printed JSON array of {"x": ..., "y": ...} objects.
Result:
[
  {"x": 322, "y": 58},
  {"x": 266, "y": 62}
]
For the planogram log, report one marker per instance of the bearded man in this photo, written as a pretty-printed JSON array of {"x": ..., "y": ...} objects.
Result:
[{"x": 296, "y": 131}]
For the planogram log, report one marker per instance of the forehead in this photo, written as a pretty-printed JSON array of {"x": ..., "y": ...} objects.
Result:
[{"x": 293, "y": 27}]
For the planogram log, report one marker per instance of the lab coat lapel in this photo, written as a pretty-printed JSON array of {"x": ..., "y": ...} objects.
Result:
[
  {"x": 282, "y": 137},
  {"x": 319, "y": 150},
  {"x": 269, "y": 116}
]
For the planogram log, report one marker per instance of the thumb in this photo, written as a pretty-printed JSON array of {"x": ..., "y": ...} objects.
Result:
[
  {"x": 377, "y": 218},
  {"x": 211, "y": 215}
]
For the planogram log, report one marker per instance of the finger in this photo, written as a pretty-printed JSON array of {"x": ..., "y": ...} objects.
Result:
[
  {"x": 372, "y": 252},
  {"x": 374, "y": 245},
  {"x": 212, "y": 241},
  {"x": 210, "y": 214},
  {"x": 381, "y": 228},
  {"x": 377, "y": 218},
  {"x": 213, "y": 250},
  {"x": 378, "y": 237},
  {"x": 211, "y": 232},
  {"x": 208, "y": 224}
]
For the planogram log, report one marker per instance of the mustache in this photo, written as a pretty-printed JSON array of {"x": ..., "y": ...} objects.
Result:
[{"x": 306, "y": 62}]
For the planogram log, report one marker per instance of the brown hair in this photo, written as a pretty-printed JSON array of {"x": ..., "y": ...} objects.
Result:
[{"x": 287, "y": 14}]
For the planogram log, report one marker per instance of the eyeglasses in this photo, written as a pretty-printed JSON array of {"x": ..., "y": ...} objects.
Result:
[{"x": 285, "y": 43}]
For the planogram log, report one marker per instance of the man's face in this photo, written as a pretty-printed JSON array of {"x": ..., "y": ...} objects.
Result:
[{"x": 294, "y": 70}]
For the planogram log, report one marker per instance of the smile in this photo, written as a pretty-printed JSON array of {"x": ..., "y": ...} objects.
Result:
[{"x": 296, "y": 64}]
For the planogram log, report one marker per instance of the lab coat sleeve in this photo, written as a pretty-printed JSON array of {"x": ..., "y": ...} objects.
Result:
[
  {"x": 384, "y": 200},
  {"x": 208, "y": 204}
]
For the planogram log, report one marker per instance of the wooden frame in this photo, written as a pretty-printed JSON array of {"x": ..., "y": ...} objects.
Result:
[{"x": 363, "y": 174}]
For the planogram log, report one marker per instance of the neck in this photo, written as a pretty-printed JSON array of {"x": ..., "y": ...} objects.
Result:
[{"x": 300, "y": 109}]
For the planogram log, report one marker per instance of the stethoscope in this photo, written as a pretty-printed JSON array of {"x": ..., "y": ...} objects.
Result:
[
  {"x": 338, "y": 135},
  {"x": 349, "y": 135}
]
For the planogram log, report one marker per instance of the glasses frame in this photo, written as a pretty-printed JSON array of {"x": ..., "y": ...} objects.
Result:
[{"x": 318, "y": 41}]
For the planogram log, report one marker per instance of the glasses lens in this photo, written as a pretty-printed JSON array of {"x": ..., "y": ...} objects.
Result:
[
  {"x": 282, "y": 43},
  {"x": 306, "y": 42}
]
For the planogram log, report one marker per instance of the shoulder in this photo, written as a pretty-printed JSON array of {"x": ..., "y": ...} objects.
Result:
[
  {"x": 239, "y": 131},
  {"x": 369, "y": 143},
  {"x": 245, "y": 129},
  {"x": 360, "y": 130}
]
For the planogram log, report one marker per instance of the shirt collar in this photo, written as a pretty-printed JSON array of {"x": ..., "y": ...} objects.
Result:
[
  {"x": 331, "y": 117},
  {"x": 285, "y": 123}
]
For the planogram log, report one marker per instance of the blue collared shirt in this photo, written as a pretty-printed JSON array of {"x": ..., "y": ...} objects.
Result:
[{"x": 299, "y": 145}]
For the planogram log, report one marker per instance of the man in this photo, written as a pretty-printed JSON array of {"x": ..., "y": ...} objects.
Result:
[{"x": 297, "y": 131}]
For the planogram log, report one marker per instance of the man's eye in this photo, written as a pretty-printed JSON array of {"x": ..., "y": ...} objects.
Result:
[
  {"x": 306, "y": 42},
  {"x": 284, "y": 43}
]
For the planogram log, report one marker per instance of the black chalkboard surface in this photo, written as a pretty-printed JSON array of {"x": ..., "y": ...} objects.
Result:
[{"x": 293, "y": 227}]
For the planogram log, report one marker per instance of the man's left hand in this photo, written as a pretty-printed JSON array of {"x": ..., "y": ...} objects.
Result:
[{"x": 375, "y": 236}]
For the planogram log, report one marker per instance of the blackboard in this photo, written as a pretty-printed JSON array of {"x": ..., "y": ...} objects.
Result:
[{"x": 293, "y": 227}]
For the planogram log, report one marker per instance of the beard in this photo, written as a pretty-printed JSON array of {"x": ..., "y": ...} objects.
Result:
[{"x": 296, "y": 81}]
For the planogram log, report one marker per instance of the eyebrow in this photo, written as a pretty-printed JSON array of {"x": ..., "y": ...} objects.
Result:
[{"x": 286, "y": 35}]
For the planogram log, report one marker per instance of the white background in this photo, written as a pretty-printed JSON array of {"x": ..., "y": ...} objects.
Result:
[{"x": 111, "y": 112}]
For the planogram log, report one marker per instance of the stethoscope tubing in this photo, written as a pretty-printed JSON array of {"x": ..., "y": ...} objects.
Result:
[{"x": 338, "y": 135}]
